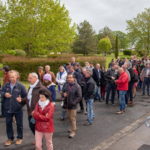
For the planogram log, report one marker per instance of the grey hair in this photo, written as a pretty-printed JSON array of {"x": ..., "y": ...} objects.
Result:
[
  {"x": 89, "y": 71},
  {"x": 33, "y": 74},
  {"x": 14, "y": 71}
]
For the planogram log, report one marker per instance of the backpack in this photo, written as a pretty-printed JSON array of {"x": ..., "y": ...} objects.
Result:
[{"x": 135, "y": 78}]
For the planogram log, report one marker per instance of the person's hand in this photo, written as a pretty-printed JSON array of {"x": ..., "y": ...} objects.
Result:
[
  {"x": 32, "y": 113},
  {"x": 8, "y": 95},
  {"x": 65, "y": 94},
  {"x": 113, "y": 78},
  {"x": 19, "y": 99}
]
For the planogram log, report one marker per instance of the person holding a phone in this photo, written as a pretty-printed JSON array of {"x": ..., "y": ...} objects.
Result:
[{"x": 12, "y": 93}]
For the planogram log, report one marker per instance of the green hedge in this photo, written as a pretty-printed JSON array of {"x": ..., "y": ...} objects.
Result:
[
  {"x": 25, "y": 68},
  {"x": 127, "y": 52}
]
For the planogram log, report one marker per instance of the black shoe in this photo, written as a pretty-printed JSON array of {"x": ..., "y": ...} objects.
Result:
[
  {"x": 1, "y": 116},
  {"x": 62, "y": 119},
  {"x": 80, "y": 111}
]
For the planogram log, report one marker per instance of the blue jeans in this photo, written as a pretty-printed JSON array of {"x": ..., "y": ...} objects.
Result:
[
  {"x": 146, "y": 84},
  {"x": 9, "y": 125},
  {"x": 90, "y": 111},
  {"x": 122, "y": 100},
  {"x": 98, "y": 94}
]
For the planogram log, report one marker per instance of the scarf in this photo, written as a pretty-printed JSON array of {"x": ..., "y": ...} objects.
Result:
[
  {"x": 29, "y": 96},
  {"x": 43, "y": 104}
]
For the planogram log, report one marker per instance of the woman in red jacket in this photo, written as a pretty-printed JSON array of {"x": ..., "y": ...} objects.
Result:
[
  {"x": 122, "y": 87},
  {"x": 43, "y": 115}
]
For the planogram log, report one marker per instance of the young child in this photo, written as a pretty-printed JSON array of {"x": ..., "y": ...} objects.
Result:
[
  {"x": 44, "y": 124},
  {"x": 47, "y": 80}
]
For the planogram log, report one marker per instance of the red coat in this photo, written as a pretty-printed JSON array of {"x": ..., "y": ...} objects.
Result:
[
  {"x": 123, "y": 82},
  {"x": 44, "y": 118}
]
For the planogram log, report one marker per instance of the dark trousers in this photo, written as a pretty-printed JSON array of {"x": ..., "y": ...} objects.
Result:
[
  {"x": 31, "y": 124},
  {"x": 103, "y": 90},
  {"x": 9, "y": 125},
  {"x": 111, "y": 88},
  {"x": 2, "y": 108},
  {"x": 81, "y": 105},
  {"x": 129, "y": 94}
]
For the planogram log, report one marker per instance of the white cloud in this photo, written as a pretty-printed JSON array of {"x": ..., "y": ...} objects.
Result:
[{"x": 100, "y": 13}]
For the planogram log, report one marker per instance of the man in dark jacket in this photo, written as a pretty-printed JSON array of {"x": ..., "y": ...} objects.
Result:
[
  {"x": 111, "y": 75},
  {"x": 11, "y": 93},
  {"x": 80, "y": 80},
  {"x": 71, "y": 94},
  {"x": 89, "y": 96},
  {"x": 97, "y": 76}
]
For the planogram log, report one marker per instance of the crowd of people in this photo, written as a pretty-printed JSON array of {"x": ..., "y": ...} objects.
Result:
[{"x": 78, "y": 86}]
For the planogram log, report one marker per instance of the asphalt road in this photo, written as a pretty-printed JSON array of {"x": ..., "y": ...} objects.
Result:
[{"x": 105, "y": 125}]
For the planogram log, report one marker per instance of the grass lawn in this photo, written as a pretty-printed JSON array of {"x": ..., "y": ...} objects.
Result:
[{"x": 112, "y": 56}]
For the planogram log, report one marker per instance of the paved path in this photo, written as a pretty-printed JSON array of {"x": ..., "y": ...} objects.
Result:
[{"x": 106, "y": 124}]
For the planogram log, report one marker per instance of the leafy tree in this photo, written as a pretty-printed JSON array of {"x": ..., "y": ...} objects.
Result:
[
  {"x": 123, "y": 39},
  {"x": 104, "y": 46},
  {"x": 139, "y": 31},
  {"x": 33, "y": 25},
  {"x": 117, "y": 48},
  {"x": 107, "y": 32},
  {"x": 86, "y": 41}
]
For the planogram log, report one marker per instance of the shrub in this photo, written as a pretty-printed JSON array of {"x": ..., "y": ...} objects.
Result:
[
  {"x": 10, "y": 52},
  {"x": 127, "y": 52},
  {"x": 26, "y": 65},
  {"x": 20, "y": 52},
  {"x": 142, "y": 53}
]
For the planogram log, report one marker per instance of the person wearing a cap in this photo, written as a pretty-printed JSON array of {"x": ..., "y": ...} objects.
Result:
[{"x": 51, "y": 86}]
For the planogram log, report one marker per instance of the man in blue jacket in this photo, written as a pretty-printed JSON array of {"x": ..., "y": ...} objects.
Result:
[{"x": 12, "y": 93}]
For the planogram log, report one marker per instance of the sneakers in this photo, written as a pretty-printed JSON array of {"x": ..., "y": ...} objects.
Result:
[
  {"x": 72, "y": 135},
  {"x": 19, "y": 141},
  {"x": 8, "y": 142},
  {"x": 119, "y": 112}
]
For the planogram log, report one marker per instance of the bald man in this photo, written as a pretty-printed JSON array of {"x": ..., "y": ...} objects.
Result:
[{"x": 122, "y": 87}]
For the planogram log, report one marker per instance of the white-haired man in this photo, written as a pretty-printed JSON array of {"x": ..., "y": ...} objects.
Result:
[{"x": 33, "y": 97}]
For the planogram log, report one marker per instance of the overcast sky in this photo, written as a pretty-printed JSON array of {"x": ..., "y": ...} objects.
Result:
[{"x": 100, "y": 13}]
